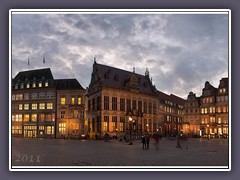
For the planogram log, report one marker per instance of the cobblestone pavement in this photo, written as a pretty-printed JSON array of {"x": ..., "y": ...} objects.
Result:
[{"x": 59, "y": 152}]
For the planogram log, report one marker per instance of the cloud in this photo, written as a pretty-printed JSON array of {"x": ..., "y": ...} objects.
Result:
[{"x": 180, "y": 51}]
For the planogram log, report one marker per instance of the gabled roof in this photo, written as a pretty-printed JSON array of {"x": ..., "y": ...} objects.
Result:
[
  {"x": 119, "y": 78},
  {"x": 33, "y": 75},
  {"x": 177, "y": 99},
  {"x": 173, "y": 98},
  {"x": 67, "y": 84}
]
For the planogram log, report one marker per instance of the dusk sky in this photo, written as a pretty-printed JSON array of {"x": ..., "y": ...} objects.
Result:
[{"x": 181, "y": 51}]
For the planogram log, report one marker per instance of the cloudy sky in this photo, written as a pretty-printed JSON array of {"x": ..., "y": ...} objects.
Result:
[{"x": 181, "y": 51}]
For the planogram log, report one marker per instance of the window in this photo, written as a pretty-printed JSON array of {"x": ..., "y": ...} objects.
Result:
[
  {"x": 49, "y": 105},
  {"x": 128, "y": 104},
  {"x": 219, "y": 109},
  {"x": 114, "y": 123},
  {"x": 34, "y": 118},
  {"x": 22, "y": 86},
  {"x": 79, "y": 100},
  {"x": 140, "y": 106},
  {"x": 20, "y": 107},
  {"x": 50, "y": 130},
  {"x": 224, "y": 109},
  {"x": 63, "y": 101},
  {"x": 42, "y": 106},
  {"x": 62, "y": 128},
  {"x": 34, "y": 106},
  {"x": 106, "y": 123},
  {"x": 145, "y": 107},
  {"x": 106, "y": 103},
  {"x": 93, "y": 104},
  {"x": 72, "y": 100},
  {"x": 134, "y": 104},
  {"x": 82, "y": 114},
  {"x": 41, "y": 117},
  {"x": 28, "y": 85},
  {"x": 16, "y": 129},
  {"x": 205, "y": 110},
  {"x": 98, "y": 103},
  {"x": 122, "y": 104},
  {"x": 149, "y": 108},
  {"x": 42, "y": 95},
  {"x": 34, "y": 95},
  {"x": 26, "y": 106},
  {"x": 114, "y": 103},
  {"x": 50, "y": 95},
  {"x": 46, "y": 84},
  {"x": 19, "y": 96},
  {"x": 16, "y": 86},
  {"x": 122, "y": 124},
  {"x": 202, "y": 110},
  {"x": 26, "y": 117},
  {"x": 13, "y": 97},
  {"x": 40, "y": 84},
  {"x": 26, "y": 96},
  {"x": 74, "y": 114},
  {"x": 62, "y": 114},
  {"x": 18, "y": 117},
  {"x": 34, "y": 85},
  {"x": 219, "y": 120}
]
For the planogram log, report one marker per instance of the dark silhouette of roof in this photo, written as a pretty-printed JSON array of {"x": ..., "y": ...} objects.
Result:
[
  {"x": 33, "y": 75},
  {"x": 173, "y": 98},
  {"x": 67, "y": 84},
  {"x": 119, "y": 78},
  {"x": 177, "y": 99}
]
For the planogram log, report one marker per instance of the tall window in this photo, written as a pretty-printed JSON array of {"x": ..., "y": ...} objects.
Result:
[
  {"x": 106, "y": 123},
  {"x": 122, "y": 104},
  {"x": 62, "y": 128},
  {"x": 122, "y": 124},
  {"x": 79, "y": 100},
  {"x": 82, "y": 114},
  {"x": 72, "y": 100},
  {"x": 34, "y": 106},
  {"x": 42, "y": 106},
  {"x": 46, "y": 84},
  {"x": 154, "y": 108},
  {"x": 49, "y": 105},
  {"x": 114, "y": 103},
  {"x": 20, "y": 107},
  {"x": 149, "y": 108},
  {"x": 18, "y": 117},
  {"x": 114, "y": 123},
  {"x": 128, "y": 104},
  {"x": 140, "y": 106},
  {"x": 145, "y": 107},
  {"x": 34, "y": 118},
  {"x": 93, "y": 104},
  {"x": 26, "y": 117},
  {"x": 98, "y": 103},
  {"x": 134, "y": 104},
  {"x": 62, "y": 114},
  {"x": 34, "y": 85},
  {"x": 40, "y": 84},
  {"x": 26, "y": 106},
  {"x": 50, "y": 130},
  {"x": 28, "y": 85},
  {"x": 106, "y": 103},
  {"x": 63, "y": 101},
  {"x": 41, "y": 117}
]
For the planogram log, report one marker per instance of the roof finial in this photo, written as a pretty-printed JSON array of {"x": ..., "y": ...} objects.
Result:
[
  {"x": 94, "y": 59},
  {"x": 133, "y": 69},
  {"x": 147, "y": 72}
]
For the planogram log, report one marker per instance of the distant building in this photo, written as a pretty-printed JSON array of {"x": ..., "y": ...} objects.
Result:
[
  {"x": 35, "y": 99},
  {"x": 207, "y": 115}
]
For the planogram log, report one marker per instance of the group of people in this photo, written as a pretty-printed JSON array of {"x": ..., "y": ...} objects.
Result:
[{"x": 146, "y": 140}]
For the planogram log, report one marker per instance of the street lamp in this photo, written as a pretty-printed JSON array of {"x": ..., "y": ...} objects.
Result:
[
  {"x": 116, "y": 133},
  {"x": 147, "y": 127},
  {"x": 208, "y": 131},
  {"x": 130, "y": 128}
]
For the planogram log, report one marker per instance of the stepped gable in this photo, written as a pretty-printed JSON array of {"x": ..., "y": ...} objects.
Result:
[
  {"x": 67, "y": 84},
  {"x": 122, "y": 79}
]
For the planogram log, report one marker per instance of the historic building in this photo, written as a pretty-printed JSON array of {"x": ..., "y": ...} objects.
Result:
[
  {"x": 170, "y": 113},
  {"x": 207, "y": 115},
  {"x": 70, "y": 109},
  {"x": 120, "y": 102},
  {"x": 35, "y": 99}
]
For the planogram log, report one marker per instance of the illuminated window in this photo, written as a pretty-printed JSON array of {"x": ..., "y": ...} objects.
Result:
[
  {"x": 28, "y": 85},
  {"x": 16, "y": 129},
  {"x": 19, "y": 96},
  {"x": 26, "y": 106},
  {"x": 39, "y": 84},
  {"x": 63, "y": 101},
  {"x": 42, "y": 106},
  {"x": 219, "y": 109},
  {"x": 49, "y": 105},
  {"x": 34, "y": 85},
  {"x": 41, "y": 117},
  {"x": 211, "y": 100},
  {"x": 62, "y": 128},
  {"x": 106, "y": 123},
  {"x": 50, "y": 130},
  {"x": 219, "y": 120},
  {"x": 26, "y": 117},
  {"x": 224, "y": 109},
  {"x": 34, "y": 106},
  {"x": 41, "y": 128},
  {"x": 72, "y": 100},
  {"x": 26, "y": 96},
  {"x": 20, "y": 107},
  {"x": 79, "y": 100},
  {"x": 205, "y": 110},
  {"x": 34, "y": 95},
  {"x": 34, "y": 117},
  {"x": 46, "y": 84},
  {"x": 13, "y": 97}
]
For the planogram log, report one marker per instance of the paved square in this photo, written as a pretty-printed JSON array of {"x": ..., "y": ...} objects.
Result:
[{"x": 59, "y": 152}]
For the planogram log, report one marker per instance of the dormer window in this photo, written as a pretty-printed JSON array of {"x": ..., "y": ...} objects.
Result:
[
  {"x": 16, "y": 86},
  {"x": 34, "y": 85},
  {"x": 22, "y": 86},
  {"x": 40, "y": 84},
  {"x": 46, "y": 84},
  {"x": 28, "y": 85}
]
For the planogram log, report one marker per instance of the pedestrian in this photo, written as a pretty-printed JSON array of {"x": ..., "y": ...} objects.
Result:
[
  {"x": 156, "y": 137},
  {"x": 143, "y": 142},
  {"x": 147, "y": 140}
]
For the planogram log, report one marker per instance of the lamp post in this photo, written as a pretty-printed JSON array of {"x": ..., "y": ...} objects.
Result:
[
  {"x": 147, "y": 127},
  {"x": 208, "y": 131},
  {"x": 130, "y": 129},
  {"x": 116, "y": 133}
]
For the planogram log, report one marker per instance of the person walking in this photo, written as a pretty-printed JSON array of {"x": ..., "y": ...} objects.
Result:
[
  {"x": 147, "y": 140},
  {"x": 156, "y": 137},
  {"x": 143, "y": 142}
]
